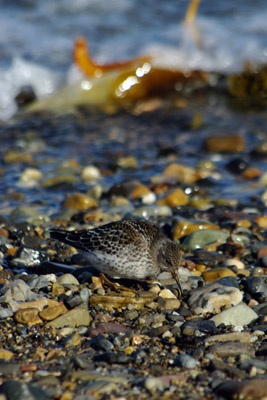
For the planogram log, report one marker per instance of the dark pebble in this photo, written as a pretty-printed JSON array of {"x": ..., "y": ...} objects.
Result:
[
  {"x": 113, "y": 358},
  {"x": 262, "y": 351},
  {"x": 264, "y": 261},
  {"x": 237, "y": 165},
  {"x": 185, "y": 312},
  {"x": 229, "y": 281},
  {"x": 209, "y": 258},
  {"x": 25, "y": 96},
  {"x": 256, "y": 284},
  {"x": 101, "y": 343},
  {"x": 14, "y": 390},
  {"x": 233, "y": 372},
  {"x": 73, "y": 301},
  {"x": 190, "y": 328},
  {"x": 159, "y": 331},
  {"x": 253, "y": 362}
]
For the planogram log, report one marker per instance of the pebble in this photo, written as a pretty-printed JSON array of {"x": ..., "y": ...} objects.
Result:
[
  {"x": 225, "y": 144},
  {"x": 30, "y": 177},
  {"x": 228, "y": 349},
  {"x": 52, "y": 312},
  {"x": 148, "y": 212},
  {"x": 73, "y": 318},
  {"x": 29, "y": 316},
  {"x": 217, "y": 273},
  {"x": 199, "y": 239},
  {"x": 255, "y": 389},
  {"x": 6, "y": 354},
  {"x": 16, "y": 390},
  {"x": 185, "y": 361},
  {"x": 17, "y": 291},
  {"x": 181, "y": 173},
  {"x": 213, "y": 297},
  {"x": 90, "y": 174},
  {"x": 243, "y": 337},
  {"x": 79, "y": 202},
  {"x": 239, "y": 315},
  {"x": 234, "y": 262},
  {"x": 256, "y": 285},
  {"x": 175, "y": 198},
  {"x": 67, "y": 279},
  {"x": 185, "y": 227}
]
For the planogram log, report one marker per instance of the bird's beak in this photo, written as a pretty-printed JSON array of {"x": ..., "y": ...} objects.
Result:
[{"x": 180, "y": 290}]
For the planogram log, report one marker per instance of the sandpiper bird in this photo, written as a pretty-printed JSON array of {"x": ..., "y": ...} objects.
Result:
[{"x": 126, "y": 249}]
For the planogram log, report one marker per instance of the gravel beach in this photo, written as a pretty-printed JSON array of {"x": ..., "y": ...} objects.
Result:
[{"x": 197, "y": 169}]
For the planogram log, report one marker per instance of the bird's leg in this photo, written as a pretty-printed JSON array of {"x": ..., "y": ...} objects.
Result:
[{"x": 116, "y": 286}]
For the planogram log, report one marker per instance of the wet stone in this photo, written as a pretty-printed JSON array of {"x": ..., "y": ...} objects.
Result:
[{"x": 21, "y": 390}]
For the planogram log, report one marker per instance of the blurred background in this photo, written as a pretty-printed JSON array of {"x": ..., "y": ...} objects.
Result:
[{"x": 37, "y": 38}]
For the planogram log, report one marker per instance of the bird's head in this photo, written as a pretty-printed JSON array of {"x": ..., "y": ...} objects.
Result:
[{"x": 169, "y": 260}]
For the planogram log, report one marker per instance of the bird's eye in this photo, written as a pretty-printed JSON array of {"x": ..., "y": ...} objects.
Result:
[{"x": 168, "y": 261}]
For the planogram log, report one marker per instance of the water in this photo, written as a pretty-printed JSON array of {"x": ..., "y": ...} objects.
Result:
[{"x": 37, "y": 37}]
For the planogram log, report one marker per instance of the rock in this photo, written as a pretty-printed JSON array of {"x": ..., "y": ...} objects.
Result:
[
  {"x": 6, "y": 354},
  {"x": 28, "y": 316},
  {"x": 239, "y": 315},
  {"x": 161, "y": 382},
  {"x": 128, "y": 162},
  {"x": 199, "y": 239},
  {"x": 175, "y": 198},
  {"x": 67, "y": 279},
  {"x": 196, "y": 325},
  {"x": 79, "y": 202},
  {"x": 185, "y": 361},
  {"x": 237, "y": 165},
  {"x": 75, "y": 317},
  {"x": 30, "y": 177},
  {"x": 51, "y": 313},
  {"x": 233, "y": 349},
  {"x": 234, "y": 262},
  {"x": 15, "y": 390},
  {"x": 181, "y": 173},
  {"x": 184, "y": 228},
  {"x": 33, "y": 215},
  {"x": 256, "y": 285},
  {"x": 167, "y": 294},
  {"x": 90, "y": 174},
  {"x": 225, "y": 144},
  {"x": 217, "y": 273},
  {"x": 148, "y": 212},
  {"x": 18, "y": 290},
  {"x": 169, "y": 304},
  {"x": 213, "y": 297},
  {"x": 243, "y": 337},
  {"x": 255, "y": 389}
]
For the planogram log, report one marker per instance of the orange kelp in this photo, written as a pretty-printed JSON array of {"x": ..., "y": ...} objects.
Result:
[
  {"x": 136, "y": 78},
  {"x": 84, "y": 61}
]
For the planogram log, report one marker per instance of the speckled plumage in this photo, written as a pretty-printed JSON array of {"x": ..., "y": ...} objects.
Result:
[{"x": 125, "y": 249}]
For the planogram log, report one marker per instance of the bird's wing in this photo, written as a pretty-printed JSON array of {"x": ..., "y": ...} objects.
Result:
[{"x": 105, "y": 238}]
